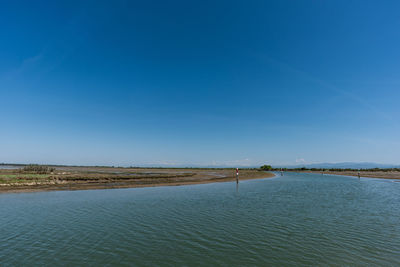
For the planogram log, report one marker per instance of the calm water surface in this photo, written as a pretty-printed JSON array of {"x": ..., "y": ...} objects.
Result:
[
  {"x": 7, "y": 167},
  {"x": 297, "y": 219}
]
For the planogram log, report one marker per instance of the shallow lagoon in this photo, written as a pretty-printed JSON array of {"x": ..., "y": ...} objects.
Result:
[{"x": 297, "y": 219}]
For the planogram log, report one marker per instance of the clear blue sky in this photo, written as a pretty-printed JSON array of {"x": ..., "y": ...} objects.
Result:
[{"x": 234, "y": 83}]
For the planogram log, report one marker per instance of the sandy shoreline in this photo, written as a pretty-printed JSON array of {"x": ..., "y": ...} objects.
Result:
[{"x": 112, "y": 179}]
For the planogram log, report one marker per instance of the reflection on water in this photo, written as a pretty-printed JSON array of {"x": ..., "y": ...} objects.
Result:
[{"x": 296, "y": 219}]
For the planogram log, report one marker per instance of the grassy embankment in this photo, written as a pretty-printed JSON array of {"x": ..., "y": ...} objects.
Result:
[{"x": 33, "y": 178}]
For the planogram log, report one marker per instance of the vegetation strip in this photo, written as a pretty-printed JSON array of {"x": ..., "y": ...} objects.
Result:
[{"x": 38, "y": 177}]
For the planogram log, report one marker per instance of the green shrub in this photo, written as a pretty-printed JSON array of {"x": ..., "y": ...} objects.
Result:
[{"x": 40, "y": 169}]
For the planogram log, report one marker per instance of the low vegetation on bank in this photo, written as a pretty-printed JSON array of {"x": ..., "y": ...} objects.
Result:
[
  {"x": 39, "y": 169},
  {"x": 40, "y": 177},
  {"x": 270, "y": 168},
  {"x": 387, "y": 173}
]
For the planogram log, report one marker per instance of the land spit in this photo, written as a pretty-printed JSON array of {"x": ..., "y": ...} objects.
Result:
[
  {"x": 363, "y": 174},
  {"x": 81, "y": 178}
]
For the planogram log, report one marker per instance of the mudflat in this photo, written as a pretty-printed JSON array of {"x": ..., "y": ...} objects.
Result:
[{"x": 81, "y": 178}]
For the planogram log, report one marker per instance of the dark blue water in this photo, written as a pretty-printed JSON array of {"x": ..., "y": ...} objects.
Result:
[{"x": 297, "y": 219}]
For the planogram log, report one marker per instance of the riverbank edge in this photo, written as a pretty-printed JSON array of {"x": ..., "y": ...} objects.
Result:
[
  {"x": 353, "y": 174},
  {"x": 96, "y": 186}
]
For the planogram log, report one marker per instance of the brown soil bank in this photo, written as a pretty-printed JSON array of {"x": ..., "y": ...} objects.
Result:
[
  {"x": 81, "y": 178},
  {"x": 364, "y": 174}
]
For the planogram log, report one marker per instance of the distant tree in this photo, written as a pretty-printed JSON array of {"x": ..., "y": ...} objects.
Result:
[{"x": 266, "y": 167}]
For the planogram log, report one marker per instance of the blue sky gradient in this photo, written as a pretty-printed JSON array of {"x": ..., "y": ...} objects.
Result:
[{"x": 188, "y": 83}]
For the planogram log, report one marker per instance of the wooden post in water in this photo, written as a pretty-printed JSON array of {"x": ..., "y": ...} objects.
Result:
[
  {"x": 237, "y": 175},
  {"x": 359, "y": 174}
]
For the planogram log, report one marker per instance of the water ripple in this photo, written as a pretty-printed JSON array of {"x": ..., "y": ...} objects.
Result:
[{"x": 298, "y": 219}]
